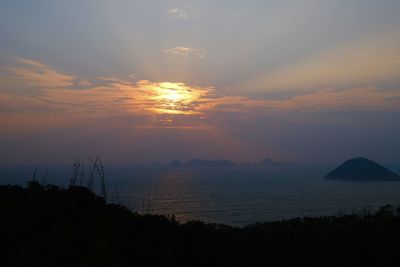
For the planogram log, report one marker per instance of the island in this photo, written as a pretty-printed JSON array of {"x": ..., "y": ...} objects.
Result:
[
  {"x": 267, "y": 162},
  {"x": 362, "y": 169},
  {"x": 175, "y": 163},
  {"x": 210, "y": 163},
  {"x": 200, "y": 163}
]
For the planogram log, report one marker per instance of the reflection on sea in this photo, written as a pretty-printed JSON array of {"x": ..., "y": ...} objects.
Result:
[{"x": 234, "y": 196}]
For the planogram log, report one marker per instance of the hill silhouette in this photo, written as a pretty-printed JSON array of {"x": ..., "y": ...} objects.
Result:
[
  {"x": 176, "y": 163},
  {"x": 210, "y": 163},
  {"x": 267, "y": 162},
  {"x": 52, "y": 226},
  {"x": 362, "y": 169},
  {"x": 228, "y": 163}
]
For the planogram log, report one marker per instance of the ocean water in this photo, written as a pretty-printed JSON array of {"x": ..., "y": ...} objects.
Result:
[{"x": 234, "y": 196}]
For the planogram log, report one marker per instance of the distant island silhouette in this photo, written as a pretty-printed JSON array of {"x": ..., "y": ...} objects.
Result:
[
  {"x": 210, "y": 163},
  {"x": 176, "y": 163},
  {"x": 362, "y": 169},
  {"x": 227, "y": 163},
  {"x": 203, "y": 163},
  {"x": 267, "y": 162}
]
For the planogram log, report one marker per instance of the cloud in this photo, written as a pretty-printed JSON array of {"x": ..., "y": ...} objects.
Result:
[
  {"x": 186, "y": 51},
  {"x": 84, "y": 83},
  {"x": 150, "y": 104},
  {"x": 132, "y": 76},
  {"x": 111, "y": 79},
  {"x": 40, "y": 75},
  {"x": 177, "y": 13},
  {"x": 364, "y": 98}
]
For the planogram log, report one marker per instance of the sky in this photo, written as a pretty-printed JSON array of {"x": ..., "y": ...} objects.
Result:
[{"x": 143, "y": 81}]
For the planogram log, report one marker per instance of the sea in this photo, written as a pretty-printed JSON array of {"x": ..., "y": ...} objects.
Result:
[{"x": 236, "y": 196}]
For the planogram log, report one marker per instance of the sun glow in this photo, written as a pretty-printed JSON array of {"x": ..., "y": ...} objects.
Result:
[
  {"x": 174, "y": 98},
  {"x": 174, "y": 92}
]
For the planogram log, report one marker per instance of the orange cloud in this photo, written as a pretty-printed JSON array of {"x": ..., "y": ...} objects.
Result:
[
  {"x": 40, "y": 75},
  {"x": 168, "y": 104},
  {"x": 367, "y": 98}
]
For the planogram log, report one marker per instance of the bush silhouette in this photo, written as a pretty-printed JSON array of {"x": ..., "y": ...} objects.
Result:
[{"x": 52, "y": 226}]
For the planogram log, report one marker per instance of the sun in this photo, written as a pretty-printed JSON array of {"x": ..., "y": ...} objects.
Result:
[
  {"x": 175, "y": 92},
  {"x": 172, "y": 95},
  {"x": 174, "y": 98}
]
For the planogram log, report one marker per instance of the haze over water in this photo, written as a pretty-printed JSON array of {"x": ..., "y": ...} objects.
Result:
[{"x": 235, "y": 196}]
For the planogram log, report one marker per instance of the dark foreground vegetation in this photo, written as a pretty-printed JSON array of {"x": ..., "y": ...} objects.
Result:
[{"x": 51, "y": 226}]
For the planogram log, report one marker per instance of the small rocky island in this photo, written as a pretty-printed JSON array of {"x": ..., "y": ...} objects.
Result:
[{"x": 362, "y": 169}]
